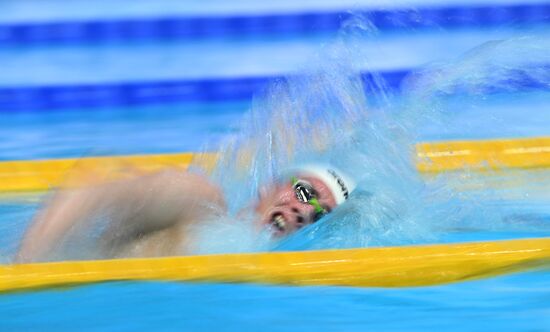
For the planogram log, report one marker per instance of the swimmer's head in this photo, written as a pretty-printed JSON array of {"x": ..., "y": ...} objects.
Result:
[{"x": 302, "y": 196}]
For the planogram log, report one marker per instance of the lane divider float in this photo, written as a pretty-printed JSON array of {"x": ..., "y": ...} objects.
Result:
[
  {"x": 431, "y": 157},
  {"x": 406, "y": 266}
]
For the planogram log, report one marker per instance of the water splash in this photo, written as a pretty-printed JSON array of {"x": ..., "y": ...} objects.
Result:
[{"x": 332, "y": 112}]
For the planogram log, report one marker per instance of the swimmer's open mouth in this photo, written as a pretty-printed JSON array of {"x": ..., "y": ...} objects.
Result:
[{"x": 279, "y": 222}]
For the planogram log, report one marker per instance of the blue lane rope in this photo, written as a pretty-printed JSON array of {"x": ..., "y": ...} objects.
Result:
[
  {"x": 44, "y": 98},
  {"x": 188, "y": 28}
]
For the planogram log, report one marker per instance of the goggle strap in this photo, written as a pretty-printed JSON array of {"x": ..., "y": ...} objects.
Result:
[{"x": 316, "y": 205}]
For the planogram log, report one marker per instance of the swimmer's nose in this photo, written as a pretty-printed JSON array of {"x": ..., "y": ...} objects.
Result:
[{"x": 303, "y": 213}]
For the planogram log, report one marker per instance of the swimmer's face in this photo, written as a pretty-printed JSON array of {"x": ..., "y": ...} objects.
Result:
[{"x": 284, "y": 212}]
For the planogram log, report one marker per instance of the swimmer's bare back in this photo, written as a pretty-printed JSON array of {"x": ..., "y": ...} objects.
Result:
[{"x": 140, "y": 217}]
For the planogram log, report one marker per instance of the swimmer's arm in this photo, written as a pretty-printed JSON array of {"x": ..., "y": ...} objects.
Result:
[
  {"x": 160, "y": 200},
  {"x": 51, "y": 224},
  {"x": 135, "y": 207}
]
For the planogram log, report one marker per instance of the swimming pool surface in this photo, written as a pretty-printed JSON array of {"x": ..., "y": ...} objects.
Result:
[
  {"x": 509, "y": 303},
  {"x": 472, "y": 306},
  {"x": 520, "y": 199}
]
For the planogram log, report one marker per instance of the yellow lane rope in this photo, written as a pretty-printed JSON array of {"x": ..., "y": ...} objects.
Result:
[
  {"x": 484, "y": 154},
  {"x": 372, "y": 267},
  {"x": 38, "y": 175},
  {"x": 431, "y": 157}
]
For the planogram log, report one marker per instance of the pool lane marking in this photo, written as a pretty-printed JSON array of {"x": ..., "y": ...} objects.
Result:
[
  {"x": 444, "y": 153},
  {"x": 536, "y": 149},
  {"x": 431, "y": 157},
  {"x": 40, "y": 175},
  {"x": 238, "y": 25},
  {"x": 434, "y": 157},
  {"x": 404, "y": 266}
]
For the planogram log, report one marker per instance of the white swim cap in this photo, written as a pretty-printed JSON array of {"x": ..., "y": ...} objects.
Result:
[{"x": 339, "y": 183}]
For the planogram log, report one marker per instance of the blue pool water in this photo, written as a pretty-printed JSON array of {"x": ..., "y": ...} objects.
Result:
[
  {"x": 510, "y": 303},
  {"x": 508, "y": 205}
]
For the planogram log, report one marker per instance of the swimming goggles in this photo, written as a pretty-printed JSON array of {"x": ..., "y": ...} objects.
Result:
[{"x": 306, "y": 194}]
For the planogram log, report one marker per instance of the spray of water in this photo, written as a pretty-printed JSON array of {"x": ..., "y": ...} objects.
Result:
[{"x": 334, "y": 113}]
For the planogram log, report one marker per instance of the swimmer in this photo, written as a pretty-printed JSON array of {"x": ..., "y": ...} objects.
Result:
[
  {"x": 303, "y": 196},
  {"x": 150, "y": 215}
]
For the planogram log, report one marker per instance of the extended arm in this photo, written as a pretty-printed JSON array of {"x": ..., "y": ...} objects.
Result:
[{"x": 134, "y": 208}]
